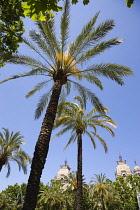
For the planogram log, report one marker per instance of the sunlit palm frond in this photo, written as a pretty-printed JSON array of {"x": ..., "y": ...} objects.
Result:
[
  {"x": 86, "y": 94},
  {"x": 79, "y": 99},
  {"x": 61, "y": 132},
  {"x": 91, "y": 138},
  {"x": 103, "y": 142}
]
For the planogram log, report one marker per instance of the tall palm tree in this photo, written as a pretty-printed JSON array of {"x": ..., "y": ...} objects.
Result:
[
  {"x": 62, "y": 66},
  {"x": 10, "y": 150},
  {"x": 72, "y": 116}
]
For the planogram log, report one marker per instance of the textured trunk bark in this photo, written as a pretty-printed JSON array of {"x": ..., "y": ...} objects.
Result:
[
  {"x": 79, "y": 195},
  {"x": 41, "y": 149},
  {"x": 1, "y": 164}
]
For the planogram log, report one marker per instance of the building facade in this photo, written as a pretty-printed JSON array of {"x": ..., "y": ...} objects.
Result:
[{"x": 122, "y": 169}]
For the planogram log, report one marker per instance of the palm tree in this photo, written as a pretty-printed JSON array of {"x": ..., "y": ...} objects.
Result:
[
  {"x": 72, "y": 117},
  {"x": 104, "y": 191},
  {"x": 61, "y": 65},
  {"x": 10, "y": 150}
]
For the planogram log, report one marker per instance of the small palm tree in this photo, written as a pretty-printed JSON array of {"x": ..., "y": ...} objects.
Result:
[
  {"x": 10, "y": 150},
  {"x": 102, "y": 189},
  {"x": 61, "y": 65},
  {"x": 72, "y": 117}
]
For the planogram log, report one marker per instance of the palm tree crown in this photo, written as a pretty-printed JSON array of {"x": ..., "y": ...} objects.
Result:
[
  {"x": 73, "y": 117},
  {"x": 10, "y": 150},
  {"x": 60, "y": 61}
]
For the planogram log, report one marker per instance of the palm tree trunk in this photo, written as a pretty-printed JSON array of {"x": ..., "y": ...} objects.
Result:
[
  {"x": 78, "y": 203},
  {"x": 1, "y": 164},
  {"x": 41, "y": 149}
]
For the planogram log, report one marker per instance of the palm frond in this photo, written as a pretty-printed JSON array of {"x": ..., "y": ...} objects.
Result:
[
  {"x": 41, "y": 42},
  {"x": 76, "y": 47},
  {"x": 80, "y": 100},
  {"x": 67, "y": 108},
  {"x": 61, "y": 132},
  {"x": 105, "y": 127},
  {"x": 92, "y": 139},
  {"x": 92, "y": 112},
  {"x": 110, "y": 70},
  {"x": 33, "y": 47},
  {"x": 85, "y": 93},
  {"x": 38, "y": 87},
  {"x": 97, "y": 49},
  {"x": 103, "y": 142},
  {"x": 9, "y": 169},
  {"x": 92, "y": 79},
  {"x": 42, "y": 104},
  {"x": 67, "y": 87},
  {"x": 64, "y": 25},
  {"x": 72, "y": 138},
  {"x": 47, "y": 29}
]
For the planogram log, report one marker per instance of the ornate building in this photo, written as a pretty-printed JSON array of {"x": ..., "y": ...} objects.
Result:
[
  {"x": 122, "y": 169},
  {"x": 63, "y": 172}
]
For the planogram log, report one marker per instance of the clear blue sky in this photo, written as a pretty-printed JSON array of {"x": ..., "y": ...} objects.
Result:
[{"x": 17, "y": 112}]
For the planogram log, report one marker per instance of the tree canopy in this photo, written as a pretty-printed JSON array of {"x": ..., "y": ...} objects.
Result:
[{"x": 12, "y": 13}]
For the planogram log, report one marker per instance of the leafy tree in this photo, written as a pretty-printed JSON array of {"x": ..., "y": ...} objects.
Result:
[
  {"x": 12, "y": 197},
  {"x": 10, "y": 150},
  {"x": 129, "y": 3},
  {"x": 126, "y": 188},
  {"x": 59, "y": 64},
  {"x": 54, "y": 196},
  {"x": 11, "y": 28},
  {"x": 72, "y": 117}
]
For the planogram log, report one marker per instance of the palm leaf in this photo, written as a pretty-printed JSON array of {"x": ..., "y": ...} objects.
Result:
[
  {"x": 64, "y": 25},
  {"x": 92, "y": 139},
  {"x": 81, "y": 39},
  {"x": 47, "y": 29},
  {"x": 85, "y": 93},
  {"x": 110, "y": 70},
  {"x": 103, "y": 142},
  {"x": 38, "y": 87},
  {"x": 72, "y": 138},
  {"x": 97, "y": 49},
  {"x": 42, "y": 104},
  {"x": 92, "y": 79}
]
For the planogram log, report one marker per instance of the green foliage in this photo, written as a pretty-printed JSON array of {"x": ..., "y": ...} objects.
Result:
[
  {"x": 10, "y": 150},
  {"x": 74, "y": 118},
  {"x": 129, "y": 3},
  {"x": 126, "y": 188},
  {"x": 11, "y": 28},
  {"x": 55, "y": 196},
  {"x": 118, "y": 195},
  {"x": 12, "y": 198}
]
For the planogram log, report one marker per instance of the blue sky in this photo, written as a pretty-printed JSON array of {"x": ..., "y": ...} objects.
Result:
[{"x": 17, "y": 112}]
